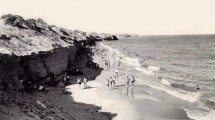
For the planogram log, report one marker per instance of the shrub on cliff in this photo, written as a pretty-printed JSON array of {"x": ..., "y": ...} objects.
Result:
[
  {"x": 115, "y": 37},
  {"x": 6, "y": 16},
  {"x": 10, "y": 19},
  {"x": 14, "y": 20},
  {"x": 64, "y": 31},
  {"x": 31, "y": 23},
  {"x": 5, "y": 37}
]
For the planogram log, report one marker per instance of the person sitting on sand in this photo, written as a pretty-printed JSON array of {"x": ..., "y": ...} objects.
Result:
[{"x": 85, "y": 83}]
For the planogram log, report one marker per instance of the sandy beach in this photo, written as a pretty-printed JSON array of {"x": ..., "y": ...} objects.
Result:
[{"x": 125, "y": 101}]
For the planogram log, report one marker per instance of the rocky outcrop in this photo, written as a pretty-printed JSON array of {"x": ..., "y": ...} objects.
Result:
[{"x": 32, "y": 50}]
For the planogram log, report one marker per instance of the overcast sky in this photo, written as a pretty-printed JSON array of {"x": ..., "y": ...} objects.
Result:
[{"x": 145, "y": 17}]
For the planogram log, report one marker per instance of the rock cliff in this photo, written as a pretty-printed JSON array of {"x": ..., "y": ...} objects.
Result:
[{"x": 32, "y": 50}]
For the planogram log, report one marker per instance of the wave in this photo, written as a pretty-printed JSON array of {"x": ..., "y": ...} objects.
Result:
[
  {"x": 183, "y": 95},
  {"x": 183, "y": 87},
  {"x": 210, "y": 104},
  {"x": 131, "y": 61},
  {"x": 165, "y": 82},
  {"x": 145, "y": 71},
  {"x": 150, "y": 71},
  {"x": 201, "y": 116},
  {"x": 153, "y": 68}
]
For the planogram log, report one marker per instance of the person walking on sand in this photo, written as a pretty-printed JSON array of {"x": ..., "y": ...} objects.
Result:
[
  {"x": 85, "y": 83},
  {"x": 112, "y": 82},
  {"x": 128, "y": 80},
  {"x": 108, "y": 82},
  {"x": 117, "y": 72}
]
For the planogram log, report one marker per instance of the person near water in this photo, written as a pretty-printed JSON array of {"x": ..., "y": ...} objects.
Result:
[
  {"x": 108, "y": 82},
  {"x": 85, "y": 83},
  {"x": 197, "y": 87},
  {"x": 132, "y": 81},
  {"x": 112, "y": 82},
  {"x": 128, "y": 80},
  {"x": 117, "y": 72}
]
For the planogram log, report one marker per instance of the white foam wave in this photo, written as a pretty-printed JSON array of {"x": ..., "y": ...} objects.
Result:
[
  {"x": 201, "y": 116},
  {"x": 153, "y": 68},
  {"x": 131, "y": 61},
  {"x": 165, "y": 82},
  {"x": 183, "y": 95},
  {"x": 145, "y": 71}
]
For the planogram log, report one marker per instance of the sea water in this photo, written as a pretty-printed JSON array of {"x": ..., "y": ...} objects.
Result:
[{"x": 178, "y": 64}]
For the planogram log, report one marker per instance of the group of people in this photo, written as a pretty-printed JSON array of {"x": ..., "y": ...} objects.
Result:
[
  {"x": 107, "y": 63},
  {"x": 111, "y": 82},
  {"x": 81, "y": 81}
]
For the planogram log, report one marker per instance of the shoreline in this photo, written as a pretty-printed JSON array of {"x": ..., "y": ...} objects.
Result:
[
  {"x": 113, "y": 99},
  {"x": 99, "y": 95}
]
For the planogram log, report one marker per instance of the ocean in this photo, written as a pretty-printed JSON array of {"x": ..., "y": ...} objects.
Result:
[{"x": 174, "y": 65}]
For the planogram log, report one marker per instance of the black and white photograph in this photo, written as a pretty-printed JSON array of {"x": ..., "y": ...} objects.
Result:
[{"x": 107, "y": 59}]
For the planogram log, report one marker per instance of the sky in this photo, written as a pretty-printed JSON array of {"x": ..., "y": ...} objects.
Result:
[{"x": 143, "y": 17}]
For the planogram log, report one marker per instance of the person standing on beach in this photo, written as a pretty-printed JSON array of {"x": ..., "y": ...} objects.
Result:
[
  {"x": 108, "y": 82},
  {"x": 117, "y": 72},
  {"x": 112, "y": 82},
  {"x": 132, "y": 81},
  {"x": 85, "y": 83},
  {"x": 128, "y": 80}
]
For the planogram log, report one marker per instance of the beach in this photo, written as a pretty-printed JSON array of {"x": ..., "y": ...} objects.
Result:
[{"x": 126, "y": 101}]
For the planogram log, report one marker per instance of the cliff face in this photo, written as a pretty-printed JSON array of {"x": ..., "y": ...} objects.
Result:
[
  {"x": 31, "y": 49},
  {"x": 35, "y": 67}
]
